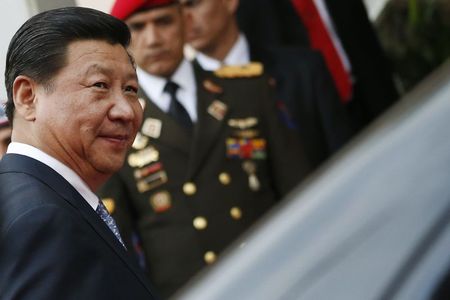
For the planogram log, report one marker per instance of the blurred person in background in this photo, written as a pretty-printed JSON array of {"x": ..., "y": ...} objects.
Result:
[
  {"x": 303, "y": 85},
  {"x": 211, "y": 156},
  {"x": 342, "y": 32},
  {"x": 5, "y": 132}
]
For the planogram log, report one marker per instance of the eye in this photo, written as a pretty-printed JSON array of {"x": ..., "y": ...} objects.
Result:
[
  {"x": 136, "y": 26},
  {"x": 165, "y": 20},
  {"x": 101, "y": 85},
  {"x": 190, "y": 3},
  {"x": 132, "y": 89}
]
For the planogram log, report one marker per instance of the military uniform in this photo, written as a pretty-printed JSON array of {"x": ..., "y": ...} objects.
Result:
[{"x": 189, "y": 195}]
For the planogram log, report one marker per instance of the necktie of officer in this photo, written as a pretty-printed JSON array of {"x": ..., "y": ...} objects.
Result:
[
  {"x": 176, "y": 109},
  {"x": 321, "y": 40},
  {"x": 106, "y": 217}
]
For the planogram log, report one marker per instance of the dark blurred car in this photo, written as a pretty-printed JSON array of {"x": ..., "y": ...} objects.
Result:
[{"x": 374, "y": 223}]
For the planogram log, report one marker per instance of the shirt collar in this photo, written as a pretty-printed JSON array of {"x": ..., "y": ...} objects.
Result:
[
  {"x": 59, "y": 167},
  {"x": 153, "y": 85},
  {"x": 238, "y": 55}
]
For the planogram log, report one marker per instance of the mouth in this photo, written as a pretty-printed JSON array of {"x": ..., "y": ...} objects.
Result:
[
  {"x": 117, "y": 141},
  {"x": 156, "y": 56}
]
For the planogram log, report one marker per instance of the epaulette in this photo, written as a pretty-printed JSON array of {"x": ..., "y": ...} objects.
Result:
[{"x": 249, "y": 70}]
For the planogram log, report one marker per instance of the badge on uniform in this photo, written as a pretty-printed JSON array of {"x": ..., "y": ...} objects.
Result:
[
  {"x": 146, "y": 171},
  {"x": 140, "y": 141},
  {"x": 143, "y": 157},
  {"x": 243, "y": 148},
  {"x": 243, "y": 123},
  {"x": 152, "y": 181},
  {"x": 246, "y": 133},
  {"x": 161, "y": 201},
  {"x": 152, "y": 127},
  {"x": 217, "y": 109},
  {"x": 109, "y": 204},
  {"x": 212, "y": 87},
  {"x": 253, "y": 181}
]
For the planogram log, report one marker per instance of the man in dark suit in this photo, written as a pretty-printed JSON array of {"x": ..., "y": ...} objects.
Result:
[
  {"x": 277, "y": 22},
  {"x": 72, "y": 101},
  {"x": 303, "y": 84},
  {"x": 195, "y": 180}
]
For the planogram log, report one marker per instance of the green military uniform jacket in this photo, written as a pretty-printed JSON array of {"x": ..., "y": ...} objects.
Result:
[{"x": 188, "y": 196}]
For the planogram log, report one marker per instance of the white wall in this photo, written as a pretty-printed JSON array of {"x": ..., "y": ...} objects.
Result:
[
  {"x": 13, "y": 13},
  {"x": 103, "y": 5}
]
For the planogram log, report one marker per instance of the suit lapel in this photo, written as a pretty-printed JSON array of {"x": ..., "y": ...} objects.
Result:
[
  {"x": 172, "y": 134},
  {"x": 209, "y": 124},
  {"x": 43, "y": 173}
]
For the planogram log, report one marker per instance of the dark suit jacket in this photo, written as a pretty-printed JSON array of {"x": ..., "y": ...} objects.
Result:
[
  {"x": 52, "y": 243},
  {"x": 306, "y": 88},
  {"x": 276, "y": 23},
  {"x": 175, "y": 250}
]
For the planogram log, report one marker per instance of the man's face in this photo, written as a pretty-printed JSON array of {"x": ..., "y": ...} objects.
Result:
[
  {"x": 89, "y": 115},
  {"x": 157, "y": 39},
  {"x": 210, "y": 20}
]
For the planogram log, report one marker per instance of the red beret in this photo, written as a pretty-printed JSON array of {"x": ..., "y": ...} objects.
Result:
[{"x": 122, "y": 9}]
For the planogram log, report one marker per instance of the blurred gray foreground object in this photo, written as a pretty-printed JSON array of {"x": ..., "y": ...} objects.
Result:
[{"x": 374, "y": 223}]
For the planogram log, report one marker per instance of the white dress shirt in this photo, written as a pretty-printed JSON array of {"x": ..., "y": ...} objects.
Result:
[
  {"x": 238, "y": 55},
  {"x": 186, "y": 94},
  {"x": 59, "y": 167}
]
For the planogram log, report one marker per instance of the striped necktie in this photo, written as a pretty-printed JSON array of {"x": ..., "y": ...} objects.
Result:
[{"x": 106, "y": 217}]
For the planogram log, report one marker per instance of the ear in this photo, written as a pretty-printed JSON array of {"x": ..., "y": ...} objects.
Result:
[{"x": 24, "y": 95}]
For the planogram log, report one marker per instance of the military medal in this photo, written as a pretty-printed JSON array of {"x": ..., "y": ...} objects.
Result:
[
  {"x": 246, "y": 133},
  {"x": 140, "y": 141},
  {"x": 152, "y": 127},
  {"x": 246, "y": 148},
  {"x": 212, "y": 87},
  {"x": 152, "y": 181},
  {"x": 153, "y": 168},
  {"x": 243, "y": 123},
  {"x": 161, "y": 201},
  {"x": 253, "y": 181},
  {"x": 109, "y": 204},
  {"x": 143, "y": 157},
  {"x": 218, "y": 109}
]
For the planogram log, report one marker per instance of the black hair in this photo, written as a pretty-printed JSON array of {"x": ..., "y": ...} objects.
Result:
[{"x": 38, "y": 49}]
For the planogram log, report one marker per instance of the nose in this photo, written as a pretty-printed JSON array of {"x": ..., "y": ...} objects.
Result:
[
  {"x": 123, "y": 109},
  {"x": 151, "y": 36}
]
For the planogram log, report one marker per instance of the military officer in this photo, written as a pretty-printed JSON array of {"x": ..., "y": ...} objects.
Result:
[
  {"x": 303, "y": 86},
  {"x": 211, "y": 156}
]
